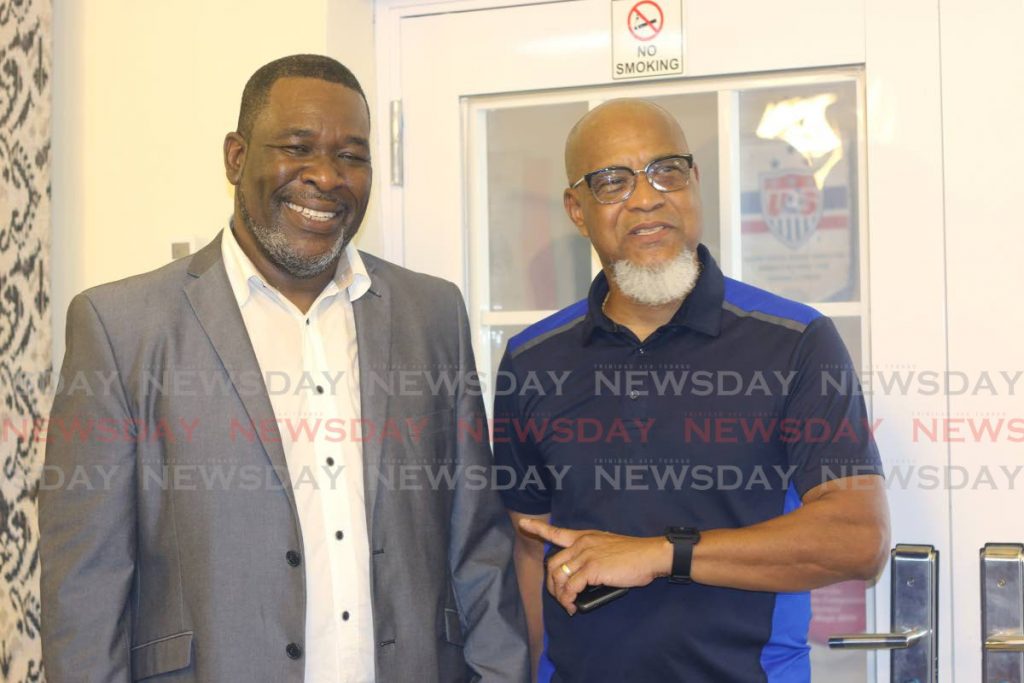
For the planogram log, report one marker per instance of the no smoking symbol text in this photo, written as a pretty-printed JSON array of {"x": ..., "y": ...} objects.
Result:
[{"x": 645, "y": 20}]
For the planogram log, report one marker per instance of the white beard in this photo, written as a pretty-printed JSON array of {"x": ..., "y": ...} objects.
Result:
[{"x": 658, "y": 284}]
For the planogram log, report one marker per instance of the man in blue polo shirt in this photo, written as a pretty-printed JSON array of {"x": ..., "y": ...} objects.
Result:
[{"x": 691, "y": 449}]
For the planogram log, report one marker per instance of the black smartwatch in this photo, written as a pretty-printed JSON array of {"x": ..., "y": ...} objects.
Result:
[{"x": 682, "y": 538}]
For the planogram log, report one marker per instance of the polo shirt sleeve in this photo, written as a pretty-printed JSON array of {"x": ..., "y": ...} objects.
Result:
[
  {"x": 515, "y": 451},
  {"x": 826, "y": 427}
]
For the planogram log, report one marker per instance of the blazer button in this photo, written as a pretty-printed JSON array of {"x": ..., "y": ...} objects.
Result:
[
  {"x": 293, "y": 650},
  {"x": 294, "y": 559}
]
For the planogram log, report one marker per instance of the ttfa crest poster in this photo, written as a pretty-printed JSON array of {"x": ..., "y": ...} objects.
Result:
[{"x": 799, "y": 192}]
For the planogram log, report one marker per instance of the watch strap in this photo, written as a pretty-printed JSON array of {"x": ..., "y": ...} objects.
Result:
[{"x": 683, "y": 539}]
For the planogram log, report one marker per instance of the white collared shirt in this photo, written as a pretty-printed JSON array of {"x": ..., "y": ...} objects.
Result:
[{"x": 310, "y": 363}]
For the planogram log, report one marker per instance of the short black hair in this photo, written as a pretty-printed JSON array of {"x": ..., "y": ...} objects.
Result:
[{"x": 257, "y": 89}]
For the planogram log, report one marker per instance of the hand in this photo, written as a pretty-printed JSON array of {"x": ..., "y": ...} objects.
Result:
[{"x": 595, "y": 558}]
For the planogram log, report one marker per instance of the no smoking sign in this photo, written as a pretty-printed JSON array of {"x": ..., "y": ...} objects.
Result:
[
  {"x": 645, "y": 20},
  {"x": 647, "y": 38}
]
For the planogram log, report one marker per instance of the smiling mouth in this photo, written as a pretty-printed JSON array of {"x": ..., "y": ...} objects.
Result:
[
  {"x": 648, "y": 230},
  {"x": 312, "y": 214}
]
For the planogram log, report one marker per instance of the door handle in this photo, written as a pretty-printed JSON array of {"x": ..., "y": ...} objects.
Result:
[
  {"x": 1002, "y": 612},
  {"x": 877, "y": 641},
  {"x": 914, "y": 620},
  {"x": 1005, "y": 642}
]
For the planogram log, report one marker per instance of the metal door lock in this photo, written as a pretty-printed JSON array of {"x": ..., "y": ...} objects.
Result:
[
  {"x": 914, "y": 621},
  {"x": 1002, "y": 612}
]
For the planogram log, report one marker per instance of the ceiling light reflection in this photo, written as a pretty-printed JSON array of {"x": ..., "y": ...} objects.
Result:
[{"x": 801, "y": 123}]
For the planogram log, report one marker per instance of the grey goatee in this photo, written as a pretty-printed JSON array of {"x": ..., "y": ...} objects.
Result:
[{"x": 658, "y": 284}]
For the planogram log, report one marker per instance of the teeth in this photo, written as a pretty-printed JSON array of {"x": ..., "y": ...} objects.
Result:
[
  {"x": 648, "y": 231},
  {"x": 310, "y": 213}
]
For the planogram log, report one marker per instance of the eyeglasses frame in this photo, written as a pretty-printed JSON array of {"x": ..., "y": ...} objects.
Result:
[{"x": 646, "y": 170}]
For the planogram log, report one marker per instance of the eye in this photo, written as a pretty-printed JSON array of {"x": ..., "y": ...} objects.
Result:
[
  {"x": 671, "y": 174},
  {"x": 295, "y": 150},
  {"x": 667, "y": 170},
  {"x": 353, "y": 158},
  {"x": 608, "y": 182}
]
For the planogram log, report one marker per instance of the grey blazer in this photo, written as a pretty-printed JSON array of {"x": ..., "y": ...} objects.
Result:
[{"x": 169, "y": 539}]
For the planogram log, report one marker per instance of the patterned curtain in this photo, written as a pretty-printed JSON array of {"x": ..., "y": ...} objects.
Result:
[{"x": 25, "y": 77}]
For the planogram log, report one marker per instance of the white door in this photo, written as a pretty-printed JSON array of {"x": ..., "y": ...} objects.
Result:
[{"x": 488, "y": 92}]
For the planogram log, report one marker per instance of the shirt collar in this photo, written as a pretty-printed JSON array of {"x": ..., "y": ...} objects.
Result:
[
  {"x": 350, "y": 274},
  {"x": 701, "y": 310}
]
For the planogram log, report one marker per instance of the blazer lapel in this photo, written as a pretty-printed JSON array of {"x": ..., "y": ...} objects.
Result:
[
  {"x": 209, "y": 293},
  {"x": 372, "y": 313}
]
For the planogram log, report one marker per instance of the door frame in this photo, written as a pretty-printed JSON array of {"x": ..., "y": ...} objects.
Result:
[{"x": 905, "y": 168}]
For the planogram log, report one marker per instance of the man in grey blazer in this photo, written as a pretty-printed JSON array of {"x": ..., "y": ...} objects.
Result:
[{"x": 243, "y": 456}]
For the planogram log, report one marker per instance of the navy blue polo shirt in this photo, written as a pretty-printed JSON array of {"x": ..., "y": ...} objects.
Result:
[{"x": 724, "y": 417}]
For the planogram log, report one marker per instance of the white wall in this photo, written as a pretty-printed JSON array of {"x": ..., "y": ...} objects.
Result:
[{"x": 144, "y": 92}]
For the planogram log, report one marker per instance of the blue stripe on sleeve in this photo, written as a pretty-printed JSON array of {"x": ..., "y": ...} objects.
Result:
[
  {"x": 548, "y": 324},
  {"x": 749, "y": 298}
]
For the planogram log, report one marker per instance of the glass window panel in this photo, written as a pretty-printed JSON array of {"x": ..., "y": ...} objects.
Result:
[
  {"x": 849, "y": 330},
  {"x": 839, "y": 608},
  {"x": 698, "y": 115},
  {"x": 538, "y": 261},
  {"x": 798, "y": 171},
  {"x": 497, "y": 338}
]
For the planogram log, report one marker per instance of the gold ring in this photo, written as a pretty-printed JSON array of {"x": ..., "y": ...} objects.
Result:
[{"x": 566, "y": 570}]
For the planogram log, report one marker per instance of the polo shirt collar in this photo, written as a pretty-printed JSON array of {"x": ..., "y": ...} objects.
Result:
[{"x": 700, "y": 311}]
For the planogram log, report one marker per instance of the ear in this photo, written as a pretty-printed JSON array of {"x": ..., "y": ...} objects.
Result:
[
  {"x": 234, "y": 157},
  {"x": 575, "y": 211}
]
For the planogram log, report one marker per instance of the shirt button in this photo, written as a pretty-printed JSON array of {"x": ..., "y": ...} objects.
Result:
[
  {"x": 293, "y": 558},
  {"x": 293, "y": 650},
  {"x": 344, "y": 616},
  {"x": 339, "y": 535},
  {"x": 642, "y": 350},
  {"x": 330, "y": 462},
  {"x": 307, "y": 321},
  {"x": 319, "y": 389},
  {"x": 634, "y": 394}
]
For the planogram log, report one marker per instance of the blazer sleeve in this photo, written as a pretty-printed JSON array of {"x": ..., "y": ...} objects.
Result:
[
  {"x": 87, "y": 512},
  {"x": 480, "y": 554}
]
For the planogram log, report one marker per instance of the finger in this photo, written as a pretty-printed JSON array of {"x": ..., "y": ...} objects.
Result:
[
  {"x": 570, "y": 589},
  {"x": 562, "y": 572},
  {"x": 563, "y": 556},
  {"x": 559, "y": 568},
  {"x": 549, "y": 532},
  {"x": 556, "y": 578},
  {"x": 565, "y": 599},
  {"x": 575, "y": 585},
  {"x": 549, "y": 581}
]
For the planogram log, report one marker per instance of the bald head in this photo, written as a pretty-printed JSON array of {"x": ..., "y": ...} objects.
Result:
[
  {"x": 650, "y": 227},
  {"x": 614, "y": 130}
]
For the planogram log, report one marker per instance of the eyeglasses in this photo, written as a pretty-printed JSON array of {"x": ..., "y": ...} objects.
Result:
[{"x": 617, "y": 183}]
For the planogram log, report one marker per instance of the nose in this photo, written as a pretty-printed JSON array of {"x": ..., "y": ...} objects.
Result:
[
  {"x": 645, "y": 196},
  {"x": 323, "y": 172}
]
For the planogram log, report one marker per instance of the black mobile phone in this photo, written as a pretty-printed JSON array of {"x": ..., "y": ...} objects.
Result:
[{"x": 591, "y": 597}]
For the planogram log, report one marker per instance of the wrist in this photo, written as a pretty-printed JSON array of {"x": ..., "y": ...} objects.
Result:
[{"x": 663, "y": 557}]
